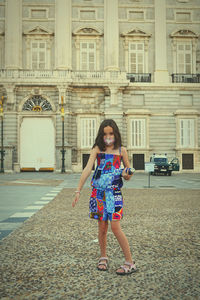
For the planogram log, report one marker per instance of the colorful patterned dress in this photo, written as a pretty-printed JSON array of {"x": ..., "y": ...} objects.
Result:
[{"x": 106, "y": 201}]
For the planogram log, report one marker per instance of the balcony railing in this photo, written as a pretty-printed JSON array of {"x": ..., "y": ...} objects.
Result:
[
  {"x": 185, "y": 78},
  {"x": 65, "y": 74},
  {"x": 4, "y": 73},
  {"x": 87, "y": 74},
  {"x": 139, "y": 77}
]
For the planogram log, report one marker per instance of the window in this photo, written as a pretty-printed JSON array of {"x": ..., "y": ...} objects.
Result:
[
  {"x": 88, "y": 56},
  {"x": 136, "y": 57},
  {"x": 87, "y": 43},
  {"x": 184, "y": 58},
  {"x": 138, "y": 133},
  {"x": 38, "y": 42},
  {"x": 88, "y": 132},
  {"x": 135, "y": 44},
  {"x": 184, "y": 46},
  {"x": 187, "y": 133},
  {"x": 38, "y": 54}
]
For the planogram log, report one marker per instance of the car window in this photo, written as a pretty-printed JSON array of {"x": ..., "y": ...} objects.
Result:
[{"x": 160, "y": 160}]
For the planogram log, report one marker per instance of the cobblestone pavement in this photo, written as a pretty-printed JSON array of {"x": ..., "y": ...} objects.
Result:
[{"x": 54, "y": 254}]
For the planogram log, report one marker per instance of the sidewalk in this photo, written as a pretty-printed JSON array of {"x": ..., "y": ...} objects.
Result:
[
  {"x": 54, "y": 254},
  {"x": 139, "y": 180}
]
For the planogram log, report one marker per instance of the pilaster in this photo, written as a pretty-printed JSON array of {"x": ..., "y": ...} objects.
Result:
[
  {"x": 63, "y": 40},
  {"x": 111, "y": 35},
  {"x": 13, "y": 34},
  {"x": 161, "y": 74}
]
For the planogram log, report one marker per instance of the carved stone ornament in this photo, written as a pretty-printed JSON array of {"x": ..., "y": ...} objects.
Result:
[
  {"x": 184, "y": 33},
  {"x": 38, "y": 30},
  {"x": 88, "y": 30},
  {"x": 136, "y": 32},
  {"x": 91, "y": 31}
]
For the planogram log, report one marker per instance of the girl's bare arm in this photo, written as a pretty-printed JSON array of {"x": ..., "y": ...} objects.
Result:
[
  {"x": 88, "y": 169},
  {"x": 85, "y": 174}
]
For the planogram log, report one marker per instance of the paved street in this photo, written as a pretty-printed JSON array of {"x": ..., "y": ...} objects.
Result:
[
  {"x": 49, "y": 250},
  {"x": 53, "y": 254},
  {"x": 24, "y": 193},
  {"x": 177, "y": 180}
]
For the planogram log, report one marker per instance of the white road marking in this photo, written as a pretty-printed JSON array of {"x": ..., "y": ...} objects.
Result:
[
  {"x": 22, "y": 214},
  {"x": 35, "y": 207},
  {"x": 41, "y": 202}
]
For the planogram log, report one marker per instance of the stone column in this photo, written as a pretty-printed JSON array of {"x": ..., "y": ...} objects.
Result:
[
  {"x": 13, "y": 34},
  {"x": 63, "y": 33},
  {"x": 161, "y": 73},
  {"x": 111, "y": 35}
]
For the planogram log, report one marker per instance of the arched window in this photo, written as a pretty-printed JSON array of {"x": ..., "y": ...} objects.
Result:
[{"x": 37, "y": 103}]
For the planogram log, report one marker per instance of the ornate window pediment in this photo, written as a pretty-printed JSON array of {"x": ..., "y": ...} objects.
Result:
[
  {"x": 38, "y": 30},
  {"x": 184, "y": 33},
  {"x": 87, "y": 31},
  {"x": 136, "y": 32}
]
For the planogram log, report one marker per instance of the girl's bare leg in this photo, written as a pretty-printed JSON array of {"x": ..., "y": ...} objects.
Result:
[
  {"x": 102, "y": 235},
  {"x": 123, "y": 242}
]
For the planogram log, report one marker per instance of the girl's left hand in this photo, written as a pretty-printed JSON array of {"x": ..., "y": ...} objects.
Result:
[
  {"x": 125, "y": 175},
  {"x": 76, "y": 199}
]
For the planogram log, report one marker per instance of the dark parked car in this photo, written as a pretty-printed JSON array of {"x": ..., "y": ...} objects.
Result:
[{"x": 162, "y": 165}]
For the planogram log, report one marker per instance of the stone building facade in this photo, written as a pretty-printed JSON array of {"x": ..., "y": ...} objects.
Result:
[{"x": 136, "y": 61}]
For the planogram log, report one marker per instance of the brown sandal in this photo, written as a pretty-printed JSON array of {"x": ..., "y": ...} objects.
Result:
[{"x": 103, "y": 263}]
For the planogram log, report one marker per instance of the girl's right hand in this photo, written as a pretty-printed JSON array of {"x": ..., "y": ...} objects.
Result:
[{"x": 76, "y": 199}]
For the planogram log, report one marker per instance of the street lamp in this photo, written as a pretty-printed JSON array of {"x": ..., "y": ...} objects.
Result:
[
  {"x": 2, "y": 150},
  {"x": 62, "y": 112}
]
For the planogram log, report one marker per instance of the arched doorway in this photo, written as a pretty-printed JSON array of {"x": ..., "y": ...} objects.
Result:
[{"x": 37, "y": 136}]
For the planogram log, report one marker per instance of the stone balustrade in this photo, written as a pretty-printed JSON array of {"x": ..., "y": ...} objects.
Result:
[{"x": 94, "y": 76}]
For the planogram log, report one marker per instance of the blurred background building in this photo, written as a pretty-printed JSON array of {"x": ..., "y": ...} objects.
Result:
[{"x": 136, "y": 61}]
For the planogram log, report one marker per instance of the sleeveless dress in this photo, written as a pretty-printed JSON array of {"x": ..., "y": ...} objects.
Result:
[{"x": 106, "y": 201}]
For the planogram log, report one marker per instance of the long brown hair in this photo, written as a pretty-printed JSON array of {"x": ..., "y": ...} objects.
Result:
[{"x": 99, "y": 141}]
